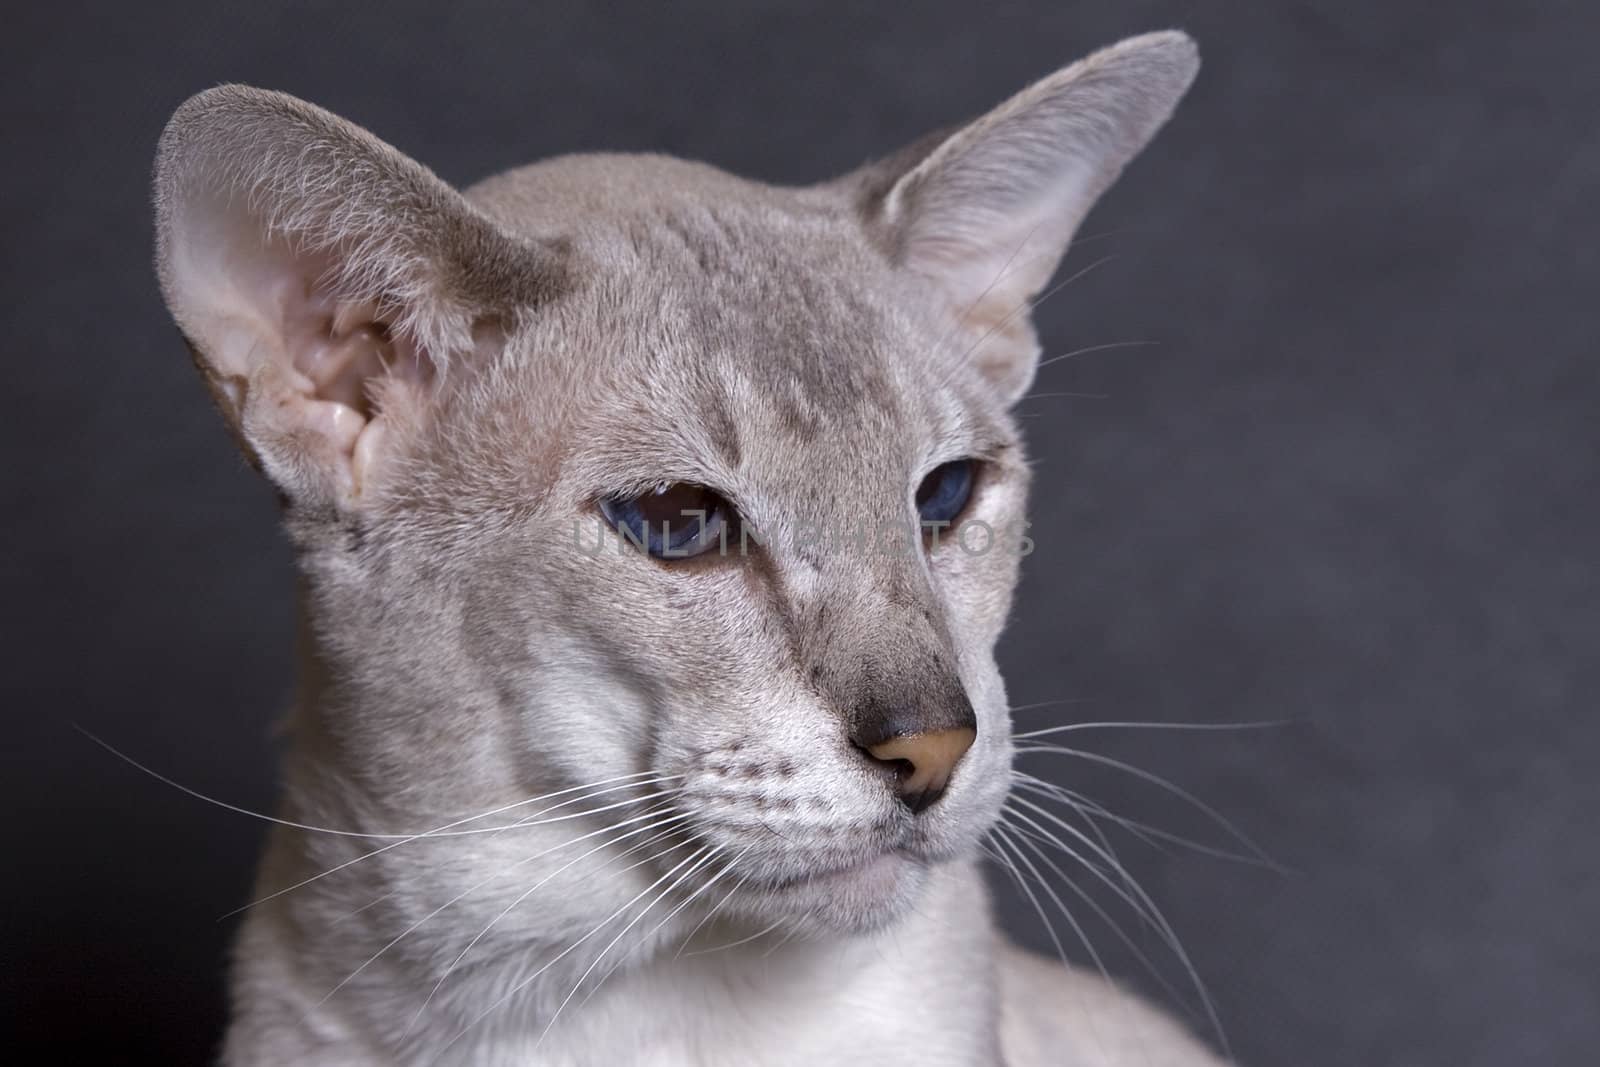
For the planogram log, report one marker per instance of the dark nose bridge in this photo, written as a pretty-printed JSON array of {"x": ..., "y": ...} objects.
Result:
[
  {"x": 882, "y": 657},
  {"x": 908, "y": 699},
  {"x": 902, "y": 676},
  {"x": 887, "y": 661}
]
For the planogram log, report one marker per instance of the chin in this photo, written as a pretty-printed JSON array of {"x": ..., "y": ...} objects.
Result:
[{"x": 856, "y": 899}]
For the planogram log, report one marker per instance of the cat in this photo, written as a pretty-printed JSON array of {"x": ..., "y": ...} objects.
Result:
[{"x": 605, "y": 750}]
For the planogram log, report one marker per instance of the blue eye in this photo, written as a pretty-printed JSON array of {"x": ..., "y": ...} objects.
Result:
[
  {"x": 944, "y": 493},
  {"x": 672, "y": 521}
]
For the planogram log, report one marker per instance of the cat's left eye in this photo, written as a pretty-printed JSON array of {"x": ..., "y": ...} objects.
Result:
[
  {"x": 675, "y": 520},
  {"x": 944, "y": 493}
]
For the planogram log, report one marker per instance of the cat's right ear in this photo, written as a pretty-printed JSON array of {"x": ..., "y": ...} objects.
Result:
[
  {"x": 325, "y": 284},
  {"x": 983, "y": 214}
]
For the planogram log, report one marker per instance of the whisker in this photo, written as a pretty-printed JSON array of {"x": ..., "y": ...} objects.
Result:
[
  {"x": 1045, "y": 704},
  {"x": 525, "y": 982},
  {"x": 1030, "y": 833},
  {"x": 1005, "y": 268},
  {"x": 1055, "y": 395},
  {"x": 1060, "y": 905},
  {"x": 1016, "y": 873},
  {"x": 1023, "y": 307},
  {"x": 784, "y": 940},
  {"x": 1116, "y": 928},
  {"x": 715, "y": 908},
  {"x": 1027, "y": 828},
  {"x": 1003, "y": 840},
  {"x": 763, "y": 932},
  {"x": 1039, "y": 787},
  {"x": 1079, "y": 241},
  {"x": 1070, "y": 727},
  {"x": 374, "y": 902},
  {"x": 496, "y": 829},
  {"x": 1150, "y": 835},
  {"x": 727, "y": 869},
  {"x": 1028, "y": 307},
  {"x": 477, "y": 885},
  {"x": 706, "y": 857},
  {"x": 291, "y": 824},
  {"x": 1157, "y": 780},
  {"x": 668, "y": 822},
  {"x": 1076, "y": 352},
  {"x": 1086, "y": 806},
  {"x": 1149, "y": 911},
  {"x": 1114, "y": 865}
]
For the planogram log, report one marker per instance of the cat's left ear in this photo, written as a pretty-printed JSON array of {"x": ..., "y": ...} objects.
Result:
[
  {"x": 326, "y": 283},
  {"x": 985, "y": 214}
]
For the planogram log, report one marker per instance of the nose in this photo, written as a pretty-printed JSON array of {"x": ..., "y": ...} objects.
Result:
[{"x": 922, "y": 762}]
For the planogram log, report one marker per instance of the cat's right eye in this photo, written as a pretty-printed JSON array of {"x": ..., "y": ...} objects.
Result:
[
  {"x": 944, "y": 493},
  {"x": 675, "y": 520}
]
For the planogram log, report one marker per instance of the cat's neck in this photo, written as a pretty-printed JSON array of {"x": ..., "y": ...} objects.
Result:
[{"x": 351, "y": 952}]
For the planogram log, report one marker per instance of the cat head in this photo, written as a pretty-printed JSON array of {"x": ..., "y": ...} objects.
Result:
[{"x": 481, "y": 407}]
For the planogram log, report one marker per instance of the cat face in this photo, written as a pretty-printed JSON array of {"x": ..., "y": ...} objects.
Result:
[
  {"x": 474, "y": 403},
  {"x": 755, "y": 344}
]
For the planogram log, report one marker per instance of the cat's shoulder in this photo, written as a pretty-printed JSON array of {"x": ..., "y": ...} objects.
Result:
[{"x": 1053, "y": 1016}]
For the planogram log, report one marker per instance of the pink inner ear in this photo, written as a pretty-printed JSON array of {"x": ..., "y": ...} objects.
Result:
[
  {"x": 349, "y": 366},
  {"x": 313, "y": 379},
  {"x": 340, "y": 366},
  {"x": 348, "y": 353}
]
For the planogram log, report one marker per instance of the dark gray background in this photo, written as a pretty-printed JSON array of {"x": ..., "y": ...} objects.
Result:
[{"x": 1352, "y": 485}]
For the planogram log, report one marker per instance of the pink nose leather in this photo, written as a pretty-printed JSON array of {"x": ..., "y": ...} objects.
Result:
[{"x": 926, "y": 761}]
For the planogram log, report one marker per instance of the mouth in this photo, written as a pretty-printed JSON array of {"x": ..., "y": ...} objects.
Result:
[
  {"x": 862, "y": 894},
  {"x": 880, "y": 872}
]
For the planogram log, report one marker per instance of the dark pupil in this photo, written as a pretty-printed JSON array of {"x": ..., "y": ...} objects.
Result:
[
  {"x": 681, "y": 507},
  {"x": 943, "y": 493},
  {"x": 668, "y": 521}
]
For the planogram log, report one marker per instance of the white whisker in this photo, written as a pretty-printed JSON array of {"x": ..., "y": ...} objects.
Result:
[
  {"x": 1149, "y": 911},
  {"x": 763, "y": 932},
  {"x": 525, "y": 982},
  {"x": 1085, "y": 351},
  {"x": 1031, "y": 839},
  {"x": 705, "y": 858},
  {"x": 374, "y": 902},
  {"x": 1220, "y": 726},
  {"x": 1086, "y": 812},
  {"x": 1062, "y": 394},
  {"x": 961, "y": 319},
  {"x": 476, "y": 885},
  {"x": 667, "y": 821},
  {"x": 1044, "y": 704},
  {"x": 1077, "y": 927},
  {"x": 784, "y": 940},
  {"x": 1029, "y": 306},
  {"x": 1003, "y": 840},
  {"x": 291, "y": 824},
  {"x": 1155, "y": 779},
  {"x": 1150, "y": 835},
  {"x": 657, "y": 928},
  {"x": 1001, "y": 843},
  {"x": 1114, "y": 866},
  {"x": 715, "y": 908},
  {"x": 494, "y": 829}
]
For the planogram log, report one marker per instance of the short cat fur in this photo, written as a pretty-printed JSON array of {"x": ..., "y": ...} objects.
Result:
[{"x": 441, "y": 385}]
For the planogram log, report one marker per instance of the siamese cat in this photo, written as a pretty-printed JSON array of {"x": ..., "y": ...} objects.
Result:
[{"x": 606, "y": 749}]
